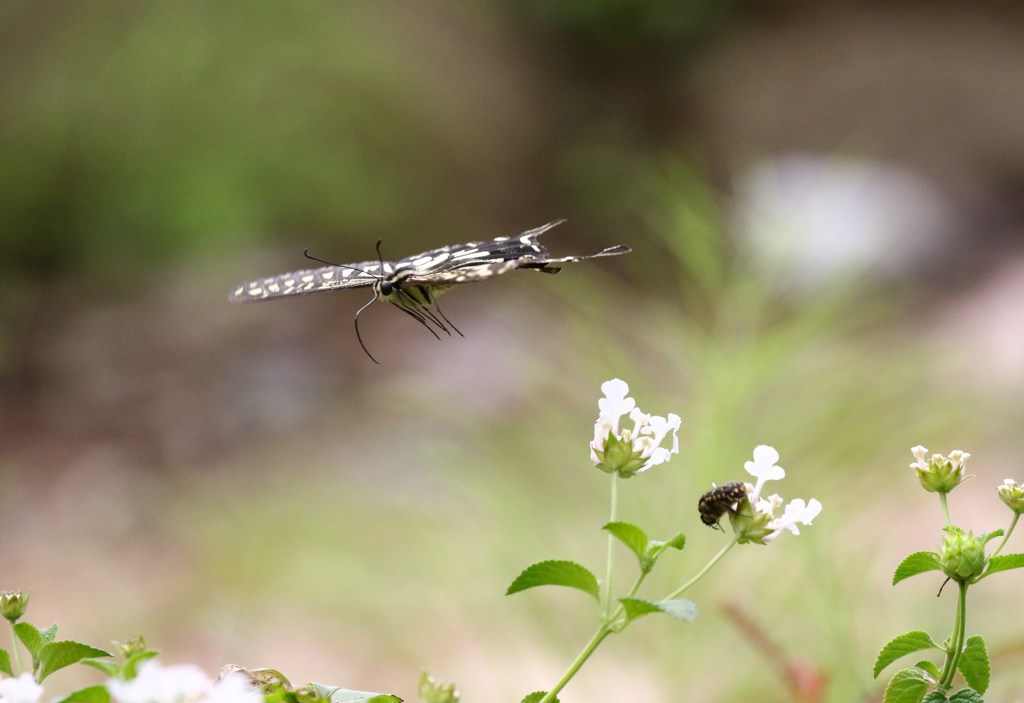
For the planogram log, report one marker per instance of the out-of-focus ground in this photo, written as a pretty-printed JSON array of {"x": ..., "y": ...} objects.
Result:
[{"x": 824, "y": 202}]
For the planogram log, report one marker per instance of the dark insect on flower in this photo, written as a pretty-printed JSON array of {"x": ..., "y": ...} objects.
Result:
[
  {"x": 412, "y": 284},
  {"x": 720, "y": 500}
]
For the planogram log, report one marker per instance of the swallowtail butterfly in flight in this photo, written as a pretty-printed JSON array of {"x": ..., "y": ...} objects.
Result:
[{"x": 412, "y": 284}]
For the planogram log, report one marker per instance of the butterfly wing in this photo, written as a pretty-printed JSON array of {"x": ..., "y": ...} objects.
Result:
[
  {"x": 360, "y": 275},
  {"x": 477, "y": 261}
]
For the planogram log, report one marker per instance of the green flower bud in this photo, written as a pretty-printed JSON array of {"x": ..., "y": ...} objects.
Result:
[
  {"x": 13, "y": 604},
  {"x": 1012, "y": 493},
  {"x": 962, "y": 555},
  {"x": 940, "y": 474},
  {"x": 129, "y": 648},
  {"x": 431, "y": 691}
]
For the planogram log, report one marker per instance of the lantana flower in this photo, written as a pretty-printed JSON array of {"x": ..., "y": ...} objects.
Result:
[
  {"x": 1012, "y": 493},
  {"x": 182, "y": 683},
  {"x": 762, "y": 526},
  {"x": 939, "y": 474},
  {"x": 20, "y": 689},
  {"x": 627, "y": 451}
]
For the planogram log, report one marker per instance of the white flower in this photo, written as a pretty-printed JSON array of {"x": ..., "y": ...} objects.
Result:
[
  {"x": 183, "y": 683},
  {"x": 628, "y": 451},
  {"x": 20, "y": 689},
  {"x": 763, "y": 526},
  {"x": 234, "y": 688},
  {"x": 763, "y": 468},
  {"x": 796, "y": 511}
]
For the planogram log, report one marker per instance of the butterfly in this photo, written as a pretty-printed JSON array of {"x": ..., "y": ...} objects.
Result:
[{"x": 412, "y": 284}]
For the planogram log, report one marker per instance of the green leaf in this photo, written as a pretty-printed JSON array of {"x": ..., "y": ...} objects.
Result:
[
  {"x": 935, "y": 697},
  {"x": 30, "y": 636},
  {"x": 966, "y": 695},
  {"x": 344, "y": 695},
  {"x": 916, "y": 563},
  {"x": 930, "y": 669},
  {"x": 682, "y": 609},
  {"x": 1004, "y": 562},
  {"x": 637, "y": 607},
  {"x": 901, "y": 645},
  {"x": 54, "y": 656},
  {"x": 92, "y": 694},
  {"x": 110, "y": 668},
  {"x": 537, "y": 696},
  {"x": 5, "y": 662},
  {"x": 655, "y": 548},
  {"x": 631, "y": 536},
  {"x": 555, "y": 573},
  {"x": 907, "y": 686},
  {"x": 974, "y": 664},
  {"x": 131, "y": 666}
]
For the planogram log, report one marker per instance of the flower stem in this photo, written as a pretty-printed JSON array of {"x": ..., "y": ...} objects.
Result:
[
  {"x": 581, "y": 658},
  {"x": 1009, "y": 531},
  {"x": 945, "y": 508},
  {"x": 956, "y": 646},
  {"x": 613, "y": 513},
  {"x": 16, "y": 651},
  {"x": 707, "y": 567}
]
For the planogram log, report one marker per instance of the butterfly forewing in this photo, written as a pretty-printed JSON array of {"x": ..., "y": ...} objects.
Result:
[{"x": 360, "y": 275}]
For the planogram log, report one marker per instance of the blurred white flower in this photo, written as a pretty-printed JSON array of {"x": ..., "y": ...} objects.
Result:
[
  {"x": 20, "y": 689},
  {"x": 796, "y": 511},
  {"x": 155, "y": 683},
  {"x": 764, "y": 468},
  {"x": 234, "y": 688}
]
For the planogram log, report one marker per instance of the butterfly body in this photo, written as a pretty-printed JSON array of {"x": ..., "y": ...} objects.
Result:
[{"x": 413, "y": 283}]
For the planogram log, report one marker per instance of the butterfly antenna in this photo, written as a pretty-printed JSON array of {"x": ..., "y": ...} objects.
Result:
[
  {"x": 359, "y": 336},
  {"x": 305, "y": 253}
]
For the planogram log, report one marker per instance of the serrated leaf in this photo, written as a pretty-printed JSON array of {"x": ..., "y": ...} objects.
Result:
[
  {"x": 92, "y": 694},
  {"x": 537, "y": 696},
  {"x": 30, "y": 636},
  {"x": 966, "y": 695},
  {"x": 935, "y": 697},
  {"x": 900, "y": 646},
  {"x": 916, "y": 563},
  {"x": 1004, "y": 562},
  {"x": 631, "y": 536},
  {"x": 974, "y": 664},
  {"x": 681, "y": 608},
  {"x": 555, "y": 573},
  {"x": 344, "y": 695},
  {"x": 930, "y": 669},
  {"x": 5, "y": 662},
  {"x": 54, "y": 656},
  {"x": 907, "y": 686}
]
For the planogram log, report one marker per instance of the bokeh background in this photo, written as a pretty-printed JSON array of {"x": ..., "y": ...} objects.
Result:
[{"x": 824, "y": 202}]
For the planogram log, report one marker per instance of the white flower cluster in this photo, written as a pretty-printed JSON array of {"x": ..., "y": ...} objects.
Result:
[
  {"x": 182, "y": 683},
  {"x": 20, "y": 689},
  {"x": 797, "y": 512},
  {"x": 638, "y": 448}
]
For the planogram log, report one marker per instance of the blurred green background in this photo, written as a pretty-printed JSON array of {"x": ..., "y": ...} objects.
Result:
[{"x": 824, "y": 203}]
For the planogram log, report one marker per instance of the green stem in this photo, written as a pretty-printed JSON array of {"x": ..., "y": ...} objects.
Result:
[
  {"x": 945, "y": 508},
  {"x": 16, "y": 651},
  {"x": 707, "y": 567},
  {"x": 956, "y": 646},
  {"x": 1009, "y": 531},
  {"x": 593, "y": 644},
  {"x": 611, "y": 548}
]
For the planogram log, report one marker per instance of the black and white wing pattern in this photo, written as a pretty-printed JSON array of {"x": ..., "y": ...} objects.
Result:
[{"x": 414, "y": 282}]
